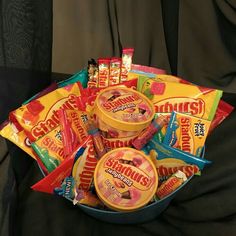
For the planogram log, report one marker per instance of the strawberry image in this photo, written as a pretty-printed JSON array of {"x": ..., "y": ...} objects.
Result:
[{"x": 157, "y": 88}]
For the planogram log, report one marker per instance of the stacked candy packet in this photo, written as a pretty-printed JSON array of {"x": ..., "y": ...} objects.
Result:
[{"x": 117, "y": 136}]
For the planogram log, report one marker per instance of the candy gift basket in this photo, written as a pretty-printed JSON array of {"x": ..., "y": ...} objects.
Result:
[{"x": 118, "y": 139}]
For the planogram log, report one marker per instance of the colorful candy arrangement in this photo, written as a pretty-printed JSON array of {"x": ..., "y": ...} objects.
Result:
[{"x": 117, "y": 136}]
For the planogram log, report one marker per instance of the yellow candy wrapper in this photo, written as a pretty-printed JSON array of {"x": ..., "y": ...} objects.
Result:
[{"x": 40, "y": 116}]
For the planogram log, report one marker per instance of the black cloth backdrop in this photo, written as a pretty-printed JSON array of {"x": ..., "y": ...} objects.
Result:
[{"x": 192, "y": 39}]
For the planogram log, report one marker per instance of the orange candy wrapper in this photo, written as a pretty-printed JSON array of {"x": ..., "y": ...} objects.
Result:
[{"x": 171, "y": 184}]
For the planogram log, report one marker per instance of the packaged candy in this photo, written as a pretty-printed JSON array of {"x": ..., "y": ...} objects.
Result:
[
  {"x": 127, "y": 55},
  {"x": 187, "y": 133},
  {"x": 81, "y": 77},
  {"x": 149, "y": 132},
  {"x": 10, "y": 132},
  {"x": 171, "y": 184},
  {"x": 194, "y": 100},
  {"x": 97, "y": 139},
  {"x": 74, "y": 128},
  {"x": 168, "y": 166},
  {"x": 122, "y": 112},
  {"x": 40, "y": 116},
  {"x": 49, "y": 148},
  {"x": 125, "y": 179},
  {"x": 67, "y": 188},
  {"x": 115, "y": 70},
  {"x": 86, "y": 198},
  {"x": 92, "y": 74},
  {"x": 163, "y": 151},
  {"x": 147, "y": 69},
  {"x": 84, "y": 166},
  {"x": 103, "y": 72},
  {"x": 52, "y": 183}
]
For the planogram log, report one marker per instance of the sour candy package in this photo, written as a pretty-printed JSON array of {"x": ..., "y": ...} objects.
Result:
[
  {"x": 187, "y": 133},
  {"x": 185, "y": 98},
  {"x": 40, "y": 116}
]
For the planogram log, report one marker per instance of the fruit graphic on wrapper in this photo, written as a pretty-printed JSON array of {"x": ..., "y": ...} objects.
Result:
[
  {"x": 31, "y": 115},
  {"x": 157, "y": 88},
  {"x": 29, "y": 118}
]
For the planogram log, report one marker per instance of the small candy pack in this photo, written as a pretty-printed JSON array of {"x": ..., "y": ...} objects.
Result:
[
  {"x": 103, "y": 72},
  {"x": 92, "y": 74},
  {"x": 49, "y": 149},
  {"x": 74, "y": 126},
  {"x": 187, "y": 133},
  {"x": 163, "y": 151},
  {"x": 171, "y": 184},
  {"x": 115, "y": 70},
  {"x": 127, "y": 55}
]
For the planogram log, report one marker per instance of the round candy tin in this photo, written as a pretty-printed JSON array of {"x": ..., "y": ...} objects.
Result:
[
  {"x": 125, "y": 179},
  {"x": 124, "y": 109}
]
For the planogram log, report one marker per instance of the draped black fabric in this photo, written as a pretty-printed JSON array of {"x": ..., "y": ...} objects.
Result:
[
  {"x": 25, "y": 69},
  {"x": 192, "y": 39}
]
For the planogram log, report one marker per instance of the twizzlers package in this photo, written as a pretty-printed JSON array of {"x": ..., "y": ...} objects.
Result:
[{"x": 40, "y": 116}]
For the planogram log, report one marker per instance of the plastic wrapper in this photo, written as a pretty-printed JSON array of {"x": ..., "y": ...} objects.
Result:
[
  {"x": 115, "y": 70},
  {"x": 187, "y": 133},
  {"x": 74, "y": 128},
  {"x": 92, "y": 74},
  {"x": 103, "y": 72},
  {"x": 163, "y": 151},
  {"x": 49, "y": 149},
  {"x": 168, "y": 96},
  {"x": 40, "y": 116},
  {"x": 127, "y": 56}
]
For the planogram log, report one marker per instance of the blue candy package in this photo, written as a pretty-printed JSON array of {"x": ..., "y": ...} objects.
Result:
[
  {"x": 164, "y": 151},
  {"x": 187, "y": 133}
]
